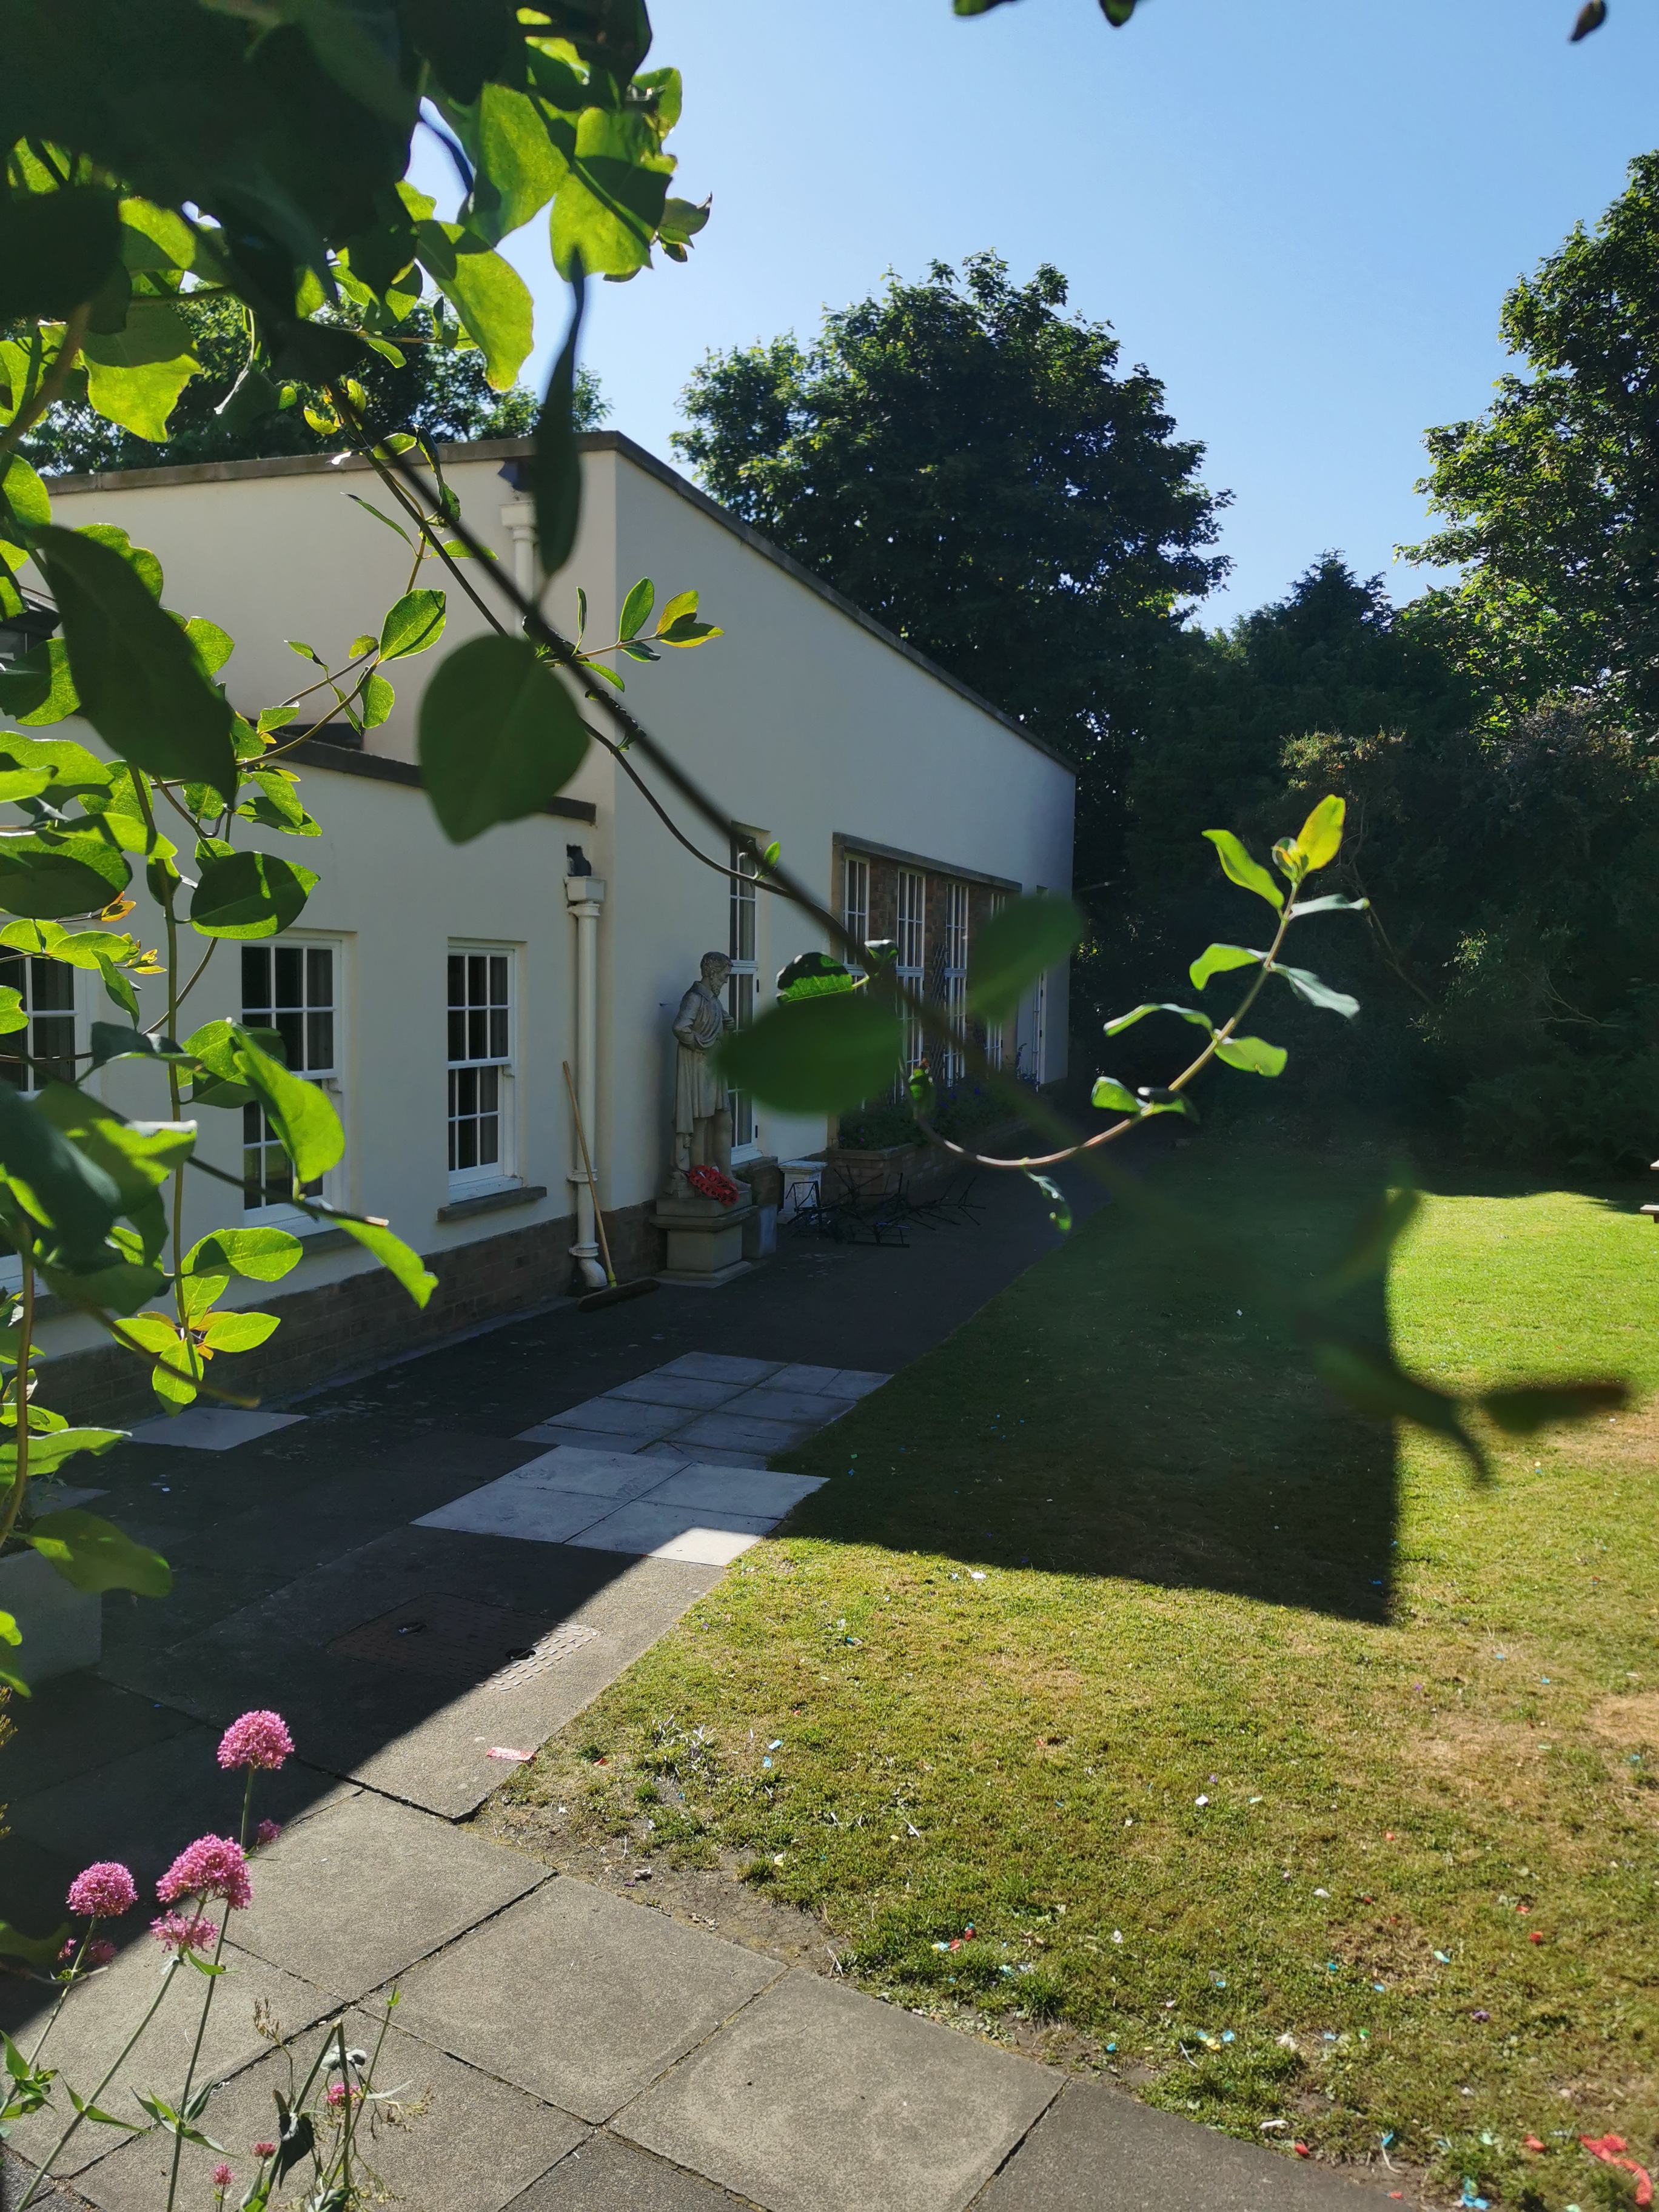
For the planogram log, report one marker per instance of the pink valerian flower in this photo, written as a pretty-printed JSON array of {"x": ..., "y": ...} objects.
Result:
[
  {"x": 100, "y": 1954},
  {"x": 267, "y": 1832},
  {"x": 104, "y": 1891},
  {"x": 258, "y": 1739},
  {"x": 184, "y": 1931},
  {"x": 222, "y": 2176},
  {"x": 339, "y": 2094},
  {"x": 265, "y": 2150},
  {"x": 212, "y": 1866}
]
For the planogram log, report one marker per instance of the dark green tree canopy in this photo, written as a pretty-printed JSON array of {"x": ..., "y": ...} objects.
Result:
[
  {"x": 1551, "y": 499},
  {"x": 967, "y": 462},
  {"x": 440, "y": 389}
]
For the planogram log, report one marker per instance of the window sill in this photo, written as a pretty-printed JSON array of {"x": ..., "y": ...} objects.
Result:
[{"x": 493, "y": 1201}]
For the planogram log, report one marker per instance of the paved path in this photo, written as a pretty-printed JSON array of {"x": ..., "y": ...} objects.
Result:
[{"x": 577, "y": 2050}]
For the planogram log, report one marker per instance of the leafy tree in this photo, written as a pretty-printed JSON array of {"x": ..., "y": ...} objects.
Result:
[
  {"x": 1551, "y": 499},
  {"x": 968, "y": 462},
  {"x": 440, "y": 389}
]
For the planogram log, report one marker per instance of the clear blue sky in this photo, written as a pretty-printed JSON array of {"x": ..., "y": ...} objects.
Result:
[{"x": 1302, "y": 214}]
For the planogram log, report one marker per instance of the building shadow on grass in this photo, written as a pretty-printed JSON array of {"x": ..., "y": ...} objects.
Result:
[{"x": 1120, "y": 1410}]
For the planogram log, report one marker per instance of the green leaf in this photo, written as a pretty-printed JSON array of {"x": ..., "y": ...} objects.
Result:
[
  {"x": 1060, "y": 1206},
  {"x": 1028, "y": 938},
  {"x": 12, "y": 1013},
  {"x": 72, "y": 768},
  {"x": 923, "y": 1098},
  {"x": 520, "y": 168},
  {"x": 122, "y": 1288},
  {"x": 1113, "y": 1098},
  {"x": 1239, "y": 868},
  {"x": 498, "y": 735},
  {"x": 1306, "y": 985},
  {"x": 306, "y": 1123},
  {"x": 265, "y": 1255},
  {"x": 816, "y": 1056},
  {"x": 48, "y": 872},
  {"x": 214, "y": 646},
  {"x": 1332, "y": 902},
  {"x": 557, "y": 467},
  {"x": 1219, "y": 958},
  {"x": 416, "y": 622},
  {"x": 400, "y": 1262},
  {"x": 140, "y": 685},
  {"x": 114, "y": 1041},
  {"x": 238, "y": 1330},
  {"x": 23, "y": 494},
  {"x": 612, "y": 199},
  {"x": 683, "y": 603},
  {"x": 38, "y": 687},
  {"x": 137, "y": 1155},
  {"x": 249, "y": 894},
  {"x": 135, "y": 375},
  {"x": 51, "y": 1450},
  {"x": 1187, "y": 1013},
  {"x": 39, "y": 1951},
  {"x": 57, "y": 249},
  {"x": 636, "y": 608},
  {"x": 139, "y": 558},
  {"x": 1253, "y": 1053},
  {"x": 77, "y": 1197},
  {"x": 1524, "y": 1408},
  {"x": 274, "y": 802},
  {"x": 1320, "y": 838},
  {"x": 93, "y": 2112},
  {"x": 9, "y": 1632},
  {"x": 811, "y": 976},
  {"x": 488, "y": 293}
]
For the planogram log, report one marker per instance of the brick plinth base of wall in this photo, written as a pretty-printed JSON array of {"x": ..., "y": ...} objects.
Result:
[{"x": 341, "y": 1326}]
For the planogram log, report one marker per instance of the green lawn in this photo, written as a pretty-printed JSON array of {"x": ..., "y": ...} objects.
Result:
[{"x": 1288, "y": 1776}]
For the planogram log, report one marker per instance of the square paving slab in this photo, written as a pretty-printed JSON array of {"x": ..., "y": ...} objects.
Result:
[
  {"x": 766, "y": 1403},
  {"x": 469, "y": 2144},
  {"x": 661, "y": 1388},
  {"x": 710, "y": 1434},
  {"x": 579, "y": 1997},
  {"x": 721, "y": 1367},
  {"x": 611, "y": 1475},
  {"x": 620, "y": 1417},
  {"x": 593, "y": 1440},
  {"x": 212, "y": 1428},
  {"x": 675, "y": 1532},
  {"x": 1096, "y": 2146},
  {"x": 816, "y": 2098},
  {"x": 603, "y": 2175},
  {"x": 734, "y": 1490},
  {"x": 350, "y": 1899}
]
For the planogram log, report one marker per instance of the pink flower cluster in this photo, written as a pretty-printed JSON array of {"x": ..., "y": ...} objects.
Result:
[
  {"x": 265, "y": 2150},
  {"x": 213, "y": 1866},
  {"x": 222, "y": 2176},
  {"x": 98, "y": 1954},
  {"x": 267, "y": 1832},
  {"x": 258, "y": 1739},
  {"x": 104, "y": 1891},
  {"x": 184, "y": 1931}
]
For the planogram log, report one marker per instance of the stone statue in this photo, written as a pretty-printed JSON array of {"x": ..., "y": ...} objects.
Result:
[{"x": 702, "y": 1121}]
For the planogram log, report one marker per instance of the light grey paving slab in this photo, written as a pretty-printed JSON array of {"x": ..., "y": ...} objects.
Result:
[
  {"x": 620, "y": 1417},
  {"x": 212, "y": 1428},
  {"x": 609, "y": 1474},
  {"x": 675, "y": 1532},
  {"x": 102, "y": 2012},
  {"x": 349, "y": 1899},
  {"x": 817, "y": 2098},
  {"x": 800, "y": 1376},
  {"x": 661, "y": 1388},
  {"x": 1154, "y": 2161},
  {"x": 721, "y": 1367},
  {"x": 856, "y": 1382},
  {"x": 735, "y": 1490},
  {"x": 510, "y": 1508},
  {"x": 578, "y": 1996},
  {"x": 766, "y": 1403},
  {"x": 668, "y": 1450},
  {"x": 469, "y": 2144},
  {"x": 743, "y": 1434},
  {"x": 598, "y": 1440},
  {"x": 603, "y": 2175}
]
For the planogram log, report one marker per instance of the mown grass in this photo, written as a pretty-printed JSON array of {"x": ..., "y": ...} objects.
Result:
[{"x": 1291, "y": 1776}]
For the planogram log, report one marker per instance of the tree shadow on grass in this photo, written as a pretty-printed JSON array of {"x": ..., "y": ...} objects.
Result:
[{"x": 1120, "y": 1410}]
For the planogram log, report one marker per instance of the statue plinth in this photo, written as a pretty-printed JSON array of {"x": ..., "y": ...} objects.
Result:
[{"x": 705, "y": 1239}]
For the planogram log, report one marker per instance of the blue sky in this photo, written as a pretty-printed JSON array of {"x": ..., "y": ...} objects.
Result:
[{"x": 1301, "y": 214}]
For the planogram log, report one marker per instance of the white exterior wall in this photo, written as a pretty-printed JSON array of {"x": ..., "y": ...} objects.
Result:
[{"x": 802, "y": 719}]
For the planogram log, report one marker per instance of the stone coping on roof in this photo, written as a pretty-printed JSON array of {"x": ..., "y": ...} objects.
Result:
[{"x": 521, "y": 449}]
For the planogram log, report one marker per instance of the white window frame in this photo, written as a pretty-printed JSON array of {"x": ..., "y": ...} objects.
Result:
[
  {"x": 994, "y": 1032},
  {"x": 954, "y": 975},
  {"x": 855, "y": 901},
  {"x": 910, "y": 929},
  {"x": 502, "y": 1172},
  {"x": 743, "y": 984},
  {"x": 335, "y": 1185}
]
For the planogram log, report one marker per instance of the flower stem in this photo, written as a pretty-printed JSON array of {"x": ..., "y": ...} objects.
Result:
[{"x": 44, "y": 2171}]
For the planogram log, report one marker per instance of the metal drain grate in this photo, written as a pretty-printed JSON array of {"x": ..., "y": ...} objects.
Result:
[{"x": 463, "y": 1641}]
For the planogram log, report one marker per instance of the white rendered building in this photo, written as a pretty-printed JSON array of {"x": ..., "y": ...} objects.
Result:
[{"x": 434, "y": 988}]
